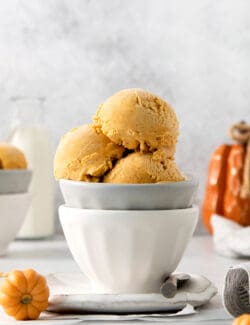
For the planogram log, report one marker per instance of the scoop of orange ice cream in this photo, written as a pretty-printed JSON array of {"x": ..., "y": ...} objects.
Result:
[
  {"x": 11, "y": 157},
  {"x": 85, "y": 155},
  {"x": 138, "y": 120},
  {"x": 139, "y": 168}
]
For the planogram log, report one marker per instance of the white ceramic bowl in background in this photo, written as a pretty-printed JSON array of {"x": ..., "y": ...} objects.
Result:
[
  {"x": 158, "y": 196},
  {"x": 14, "y": 181},
  {"x": 13, "y": 209},
  {"x": 127, "y": 251}
]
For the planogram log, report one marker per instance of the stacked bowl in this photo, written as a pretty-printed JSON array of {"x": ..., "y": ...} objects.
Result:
[
  {"x": 126, "y": 238},
  {"x": 14, "y": 203}
]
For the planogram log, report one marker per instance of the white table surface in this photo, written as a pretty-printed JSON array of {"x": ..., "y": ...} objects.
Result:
[{"x": 50, "y": 256}]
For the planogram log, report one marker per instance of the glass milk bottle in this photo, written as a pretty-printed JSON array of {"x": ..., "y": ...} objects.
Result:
[{"x": 31, "y": 135}]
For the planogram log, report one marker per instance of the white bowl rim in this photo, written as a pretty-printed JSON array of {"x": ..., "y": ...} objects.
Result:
[
  {"x": 193, "y": 208},
  {"x": 191, "y": 180}
]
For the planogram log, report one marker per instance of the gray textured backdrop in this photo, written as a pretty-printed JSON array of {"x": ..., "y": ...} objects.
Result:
[{"x": 195, "y": 54}]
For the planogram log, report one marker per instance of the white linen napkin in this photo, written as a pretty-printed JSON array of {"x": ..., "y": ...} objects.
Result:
[
  {"x": 236, "y": 290},
  {"x": 71, "y": 294},
  {"x": 230, "y": 238}
]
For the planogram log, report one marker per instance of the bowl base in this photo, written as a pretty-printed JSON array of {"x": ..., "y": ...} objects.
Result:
[{"x": 128, "y": 289}]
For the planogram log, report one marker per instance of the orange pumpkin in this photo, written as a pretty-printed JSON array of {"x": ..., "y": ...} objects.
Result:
[
  {"x": 228, "y": 185},
  {"x": 242, "y": 320},
  {"x": 24, "y": 294}
]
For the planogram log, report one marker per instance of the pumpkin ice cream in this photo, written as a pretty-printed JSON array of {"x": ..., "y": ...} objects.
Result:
[
  {"x": 85, "y": 155},
  {"x": 11, "y": 157},
  {"x": 138, "y": 120},
  {"x": 144, "y": 168},
  {"x": 132, "y": 140}
]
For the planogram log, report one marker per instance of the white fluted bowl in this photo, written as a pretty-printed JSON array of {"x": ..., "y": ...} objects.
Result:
[
  {"x": 13, "y": 209},
  {"x": 127, "y": 251}
]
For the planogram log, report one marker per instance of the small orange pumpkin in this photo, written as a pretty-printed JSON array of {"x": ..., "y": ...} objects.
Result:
[
  {"x": 242, "y": 320},
  {"x": 24, "y": 294},
  {"x": 228, "y": 185}
]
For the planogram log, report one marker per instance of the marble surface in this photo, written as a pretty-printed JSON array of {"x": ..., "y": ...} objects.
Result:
[
  {"x": 193, "y": 53},
  {"x": 53, "y": 256}
]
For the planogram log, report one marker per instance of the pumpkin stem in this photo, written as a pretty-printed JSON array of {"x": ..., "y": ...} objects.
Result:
[
  {"x": 240, "y": 132},
  {"x": 26, "y": 299}
]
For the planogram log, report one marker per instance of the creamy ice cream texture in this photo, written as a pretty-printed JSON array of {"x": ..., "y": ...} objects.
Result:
[
  {"x": 85, "y": 155},
  {"x": 138, "y": 120},
  {"x": 142, "y": 168},
  {"x": 132, "y": 140},
  {"x": 11, "y": 157}
]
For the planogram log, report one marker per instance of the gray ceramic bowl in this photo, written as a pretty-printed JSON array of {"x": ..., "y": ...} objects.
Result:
[
  {"x": 13, "y": 181},
  {"x": 174, "y": 195}
]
